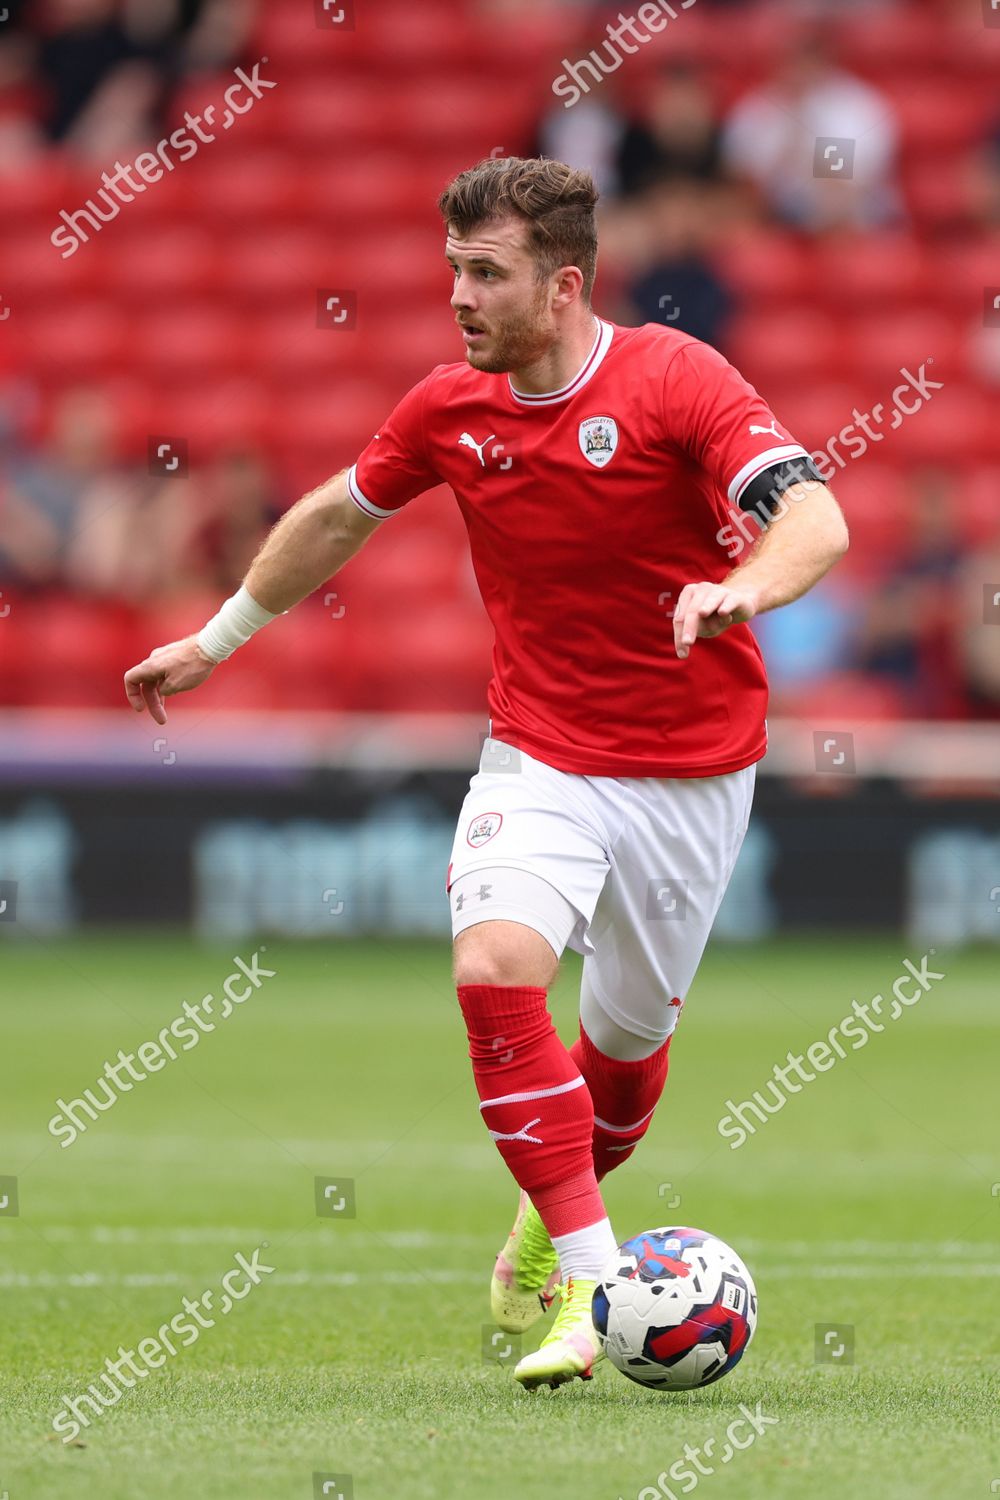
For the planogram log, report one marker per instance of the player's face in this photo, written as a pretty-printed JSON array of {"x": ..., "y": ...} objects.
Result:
[{"x": 504, "y": 311}]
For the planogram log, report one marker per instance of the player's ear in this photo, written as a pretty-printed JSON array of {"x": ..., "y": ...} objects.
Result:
[{"x": 568, "y": 286}]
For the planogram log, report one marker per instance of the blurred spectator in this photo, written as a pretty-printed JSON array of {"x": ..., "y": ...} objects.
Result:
[
  {"x": 773, "y": 139},
  {"x": 233, "y": 506},
  {"x": 907, "y": 633},
  {"x": 84, "y": 55},
  {"x": 677, "y": 136},
  {"x": 678, "y": 285},
  {"x": 145, "y": 539},
  {"x": 808, "y": 640},
  {"x": 106, "y": 67},
  {"x": 586, "y": 136},
  {"x": 43, "y": 493},
  {"x": 978, "y": 621},
  {"x": 985, "y": 180}
]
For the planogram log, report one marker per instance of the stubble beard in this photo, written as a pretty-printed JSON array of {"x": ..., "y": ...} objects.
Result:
[{"x": 517, "y": 343}]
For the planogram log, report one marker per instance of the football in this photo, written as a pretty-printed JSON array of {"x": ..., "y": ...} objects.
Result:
[{"x": 675, "y": 1308}]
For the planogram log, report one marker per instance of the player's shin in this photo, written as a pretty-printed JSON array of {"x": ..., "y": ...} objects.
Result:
[
  {"x": 624, "y": 1094},
  {"x": 538, "y": 1110}
]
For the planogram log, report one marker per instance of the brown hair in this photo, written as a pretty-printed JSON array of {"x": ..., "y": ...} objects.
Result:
[{"x": 556, "y": 202}]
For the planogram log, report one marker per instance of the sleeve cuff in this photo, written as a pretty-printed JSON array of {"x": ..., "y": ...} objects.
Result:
[{"x": 361, "y": 500}]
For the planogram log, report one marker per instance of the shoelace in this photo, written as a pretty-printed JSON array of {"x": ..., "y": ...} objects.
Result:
[{"x": 573, "y": 1292}]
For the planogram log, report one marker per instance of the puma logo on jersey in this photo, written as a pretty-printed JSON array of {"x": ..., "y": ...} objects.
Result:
[
  {"x": 468, "y": 441},
  {"x": 773, "y": 429},
  {"x": 520, "y": 1135}
]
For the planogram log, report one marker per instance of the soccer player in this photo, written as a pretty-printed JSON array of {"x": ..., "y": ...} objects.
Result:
[{"x": 594, "y": 467}]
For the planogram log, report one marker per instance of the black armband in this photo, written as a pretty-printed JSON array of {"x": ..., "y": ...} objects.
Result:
[{"x": 763, "y": 492}]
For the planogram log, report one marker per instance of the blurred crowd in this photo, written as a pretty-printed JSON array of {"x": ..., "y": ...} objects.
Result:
[{"x": 679, "y": 170}]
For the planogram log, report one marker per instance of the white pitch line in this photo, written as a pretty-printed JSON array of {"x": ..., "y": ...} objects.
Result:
[
  {"x": 84, "y": 1280},
  {"x": 422, "y": 1239}
]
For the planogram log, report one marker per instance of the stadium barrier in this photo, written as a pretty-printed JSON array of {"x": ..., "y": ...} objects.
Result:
[{"x": 330, "y": 826}]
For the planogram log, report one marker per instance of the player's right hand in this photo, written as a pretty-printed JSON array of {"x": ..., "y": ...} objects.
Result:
[{"x": 176, "y": 668}]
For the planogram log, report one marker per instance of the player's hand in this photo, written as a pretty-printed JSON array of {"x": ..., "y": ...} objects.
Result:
[
  {"x": 176, "y": 668},
  {"x": 707, "y": 609}
]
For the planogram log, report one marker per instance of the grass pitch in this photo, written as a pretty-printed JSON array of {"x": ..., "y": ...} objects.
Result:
[{"x": 867, "y": 1208}]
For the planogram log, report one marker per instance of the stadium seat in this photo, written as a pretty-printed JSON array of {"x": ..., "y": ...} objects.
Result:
[
  {"x": 879, "y": 345},
  {"x": 783, "y": 344},
  {"x": 936, "y": 116},
  {"x": 872, "y": 271},
  {"x": 157, "y": 270},
  {"x": 432, "y": 659},
  {"x": 85, "y": 340},
  {"x": 191, "y": 340},
  {"x": 765, "y": 267},
  {"x": 84, "y": 645}
]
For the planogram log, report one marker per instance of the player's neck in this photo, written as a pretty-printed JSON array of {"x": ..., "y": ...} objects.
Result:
[{"x": 560, "y": 363}]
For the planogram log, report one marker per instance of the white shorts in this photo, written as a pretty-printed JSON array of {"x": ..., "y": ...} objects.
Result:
[{"x": 637, "y": 867}]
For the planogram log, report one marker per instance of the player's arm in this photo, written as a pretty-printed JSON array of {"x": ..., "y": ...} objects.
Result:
[
  {"x": 792, "y": 554},
  {"x": 311, "y": 542}
]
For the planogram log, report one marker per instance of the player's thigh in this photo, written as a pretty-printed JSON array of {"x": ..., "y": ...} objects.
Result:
[
  {"x": 669, "y": 873},
  {"x": 529, "y": 853},
  {"x": 510, "y": 927}
]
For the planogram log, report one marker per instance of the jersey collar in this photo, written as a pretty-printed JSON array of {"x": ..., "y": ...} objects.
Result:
[{"x": 602, "y": 343}]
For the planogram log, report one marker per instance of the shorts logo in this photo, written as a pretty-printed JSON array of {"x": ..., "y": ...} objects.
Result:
[
  {"x": 482, "y": 829},
  {"x": 598, "y": 440}
]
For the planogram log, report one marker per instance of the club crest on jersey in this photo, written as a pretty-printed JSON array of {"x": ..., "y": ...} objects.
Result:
[
  {"x": 598, "y": 440},
  {"x": 482, "y": 829}
]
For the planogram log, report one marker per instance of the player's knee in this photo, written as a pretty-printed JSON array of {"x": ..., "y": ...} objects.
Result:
[{"x": 485, "y": 955}]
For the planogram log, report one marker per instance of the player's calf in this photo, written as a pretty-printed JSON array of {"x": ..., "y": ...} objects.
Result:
[
  {"x": 537, "y": 1108},
  {"x": 625, "y": 1096}
]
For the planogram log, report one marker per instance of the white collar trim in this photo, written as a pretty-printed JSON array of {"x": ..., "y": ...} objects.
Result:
[{"x": 591, "y": 364}]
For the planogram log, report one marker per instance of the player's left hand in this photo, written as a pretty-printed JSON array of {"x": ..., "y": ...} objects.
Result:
[{"x": 707, "y": 609}]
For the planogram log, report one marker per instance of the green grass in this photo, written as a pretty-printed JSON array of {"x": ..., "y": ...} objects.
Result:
[{"x": 867, "y": 1202}]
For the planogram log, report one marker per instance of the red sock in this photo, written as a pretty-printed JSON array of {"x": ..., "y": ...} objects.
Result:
[
  {"x": 625, "y": 1094},
  {"x": 534, "y": 1101}
]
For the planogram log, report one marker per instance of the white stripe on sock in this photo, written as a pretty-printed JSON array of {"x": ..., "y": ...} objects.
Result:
[
  {"x": 562, "y": 1088},
  {"x": 622, "y": 1129}
]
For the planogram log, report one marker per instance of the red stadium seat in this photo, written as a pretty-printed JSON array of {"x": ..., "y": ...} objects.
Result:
[
  {"x": 879, "y": 346},
  {"x": 883, "y": 44},
  {"x": 84, "y": 646},
  {"x": 874, "y": 271},
  {"x": 251, "y": 186},
  {"x": 783, "y": 344},
  {"x": 936, "y": 116},
  {"x": 977, "y": 492},
  {"x": 766, "y": 267},
  {"x": 84, "y": 341},
  {"x": 435, "y": 658},
  {"x": 157, "y": 270},
  {"x": 191, "y": 341},
  {"x": 936, "y": 194},
  {"x": 875, "y": 497},
  {"x": 277, "y": 266}
]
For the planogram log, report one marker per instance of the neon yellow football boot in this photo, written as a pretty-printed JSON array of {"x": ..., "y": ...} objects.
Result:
[
  {"x": 526, "y": 1273},
  {"x": 571, "y": 1346}
]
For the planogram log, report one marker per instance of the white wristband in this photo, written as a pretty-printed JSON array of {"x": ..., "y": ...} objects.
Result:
[{"x": 233, "y": 626}]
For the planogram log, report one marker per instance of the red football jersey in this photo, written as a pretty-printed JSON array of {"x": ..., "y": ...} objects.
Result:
[{"x": 588, "y": 510}]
